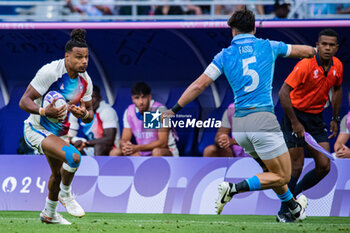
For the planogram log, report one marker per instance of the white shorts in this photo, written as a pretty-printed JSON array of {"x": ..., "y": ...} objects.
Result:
[
  {"x": 260, "y": 135},
  {"x": 35, "y": 134}
]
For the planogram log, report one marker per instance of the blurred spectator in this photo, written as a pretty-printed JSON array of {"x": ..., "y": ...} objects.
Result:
[
  {"x": 85, "y": 8},
  {"x": 343, "y": 9},
  {"x": 281, "y": 10},
  {"x": 225, "y": 145},
  {"x": 229, "y": 9},
  {"x": 319, "y": 9},
  {"x": 177, "y": 9},
  {"x": 341, "y": 150},
  {"x": 101, "y": 134},
  {"x": 150, "y": 142}
]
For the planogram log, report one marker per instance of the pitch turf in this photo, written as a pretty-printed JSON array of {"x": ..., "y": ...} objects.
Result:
[{"x": 22, "y": 222}]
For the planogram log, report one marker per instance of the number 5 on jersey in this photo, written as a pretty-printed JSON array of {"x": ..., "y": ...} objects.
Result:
[{"x": 252, "y": 73}]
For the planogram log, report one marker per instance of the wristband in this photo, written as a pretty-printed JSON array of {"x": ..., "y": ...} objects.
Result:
[
  {"x": 176, "y": 108},
  {"x": 337, "y": 119},
  {"x": 42, "y": 112},
  {"x": 86, "y": 115}
]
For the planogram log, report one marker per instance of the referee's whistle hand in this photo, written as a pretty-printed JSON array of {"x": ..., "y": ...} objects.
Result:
[
  {"x": 298, "y": 129},
  {"x": 333, "y": 129}
]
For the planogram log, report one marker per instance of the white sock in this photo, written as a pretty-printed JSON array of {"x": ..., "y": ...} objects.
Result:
[
  {"x": 50, "y": 206},
  {"x": 65, "y": 190}
]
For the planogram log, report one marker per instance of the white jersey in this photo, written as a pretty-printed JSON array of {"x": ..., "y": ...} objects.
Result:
[
  {"x": 54, "y": 77},
  {"x": 105, "y": 118}
]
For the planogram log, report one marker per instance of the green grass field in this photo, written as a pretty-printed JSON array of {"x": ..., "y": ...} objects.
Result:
[{"x": 21, "y": 222}]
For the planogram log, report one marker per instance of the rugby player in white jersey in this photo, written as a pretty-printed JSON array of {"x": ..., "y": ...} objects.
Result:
[{"x": 68, "y": 77}]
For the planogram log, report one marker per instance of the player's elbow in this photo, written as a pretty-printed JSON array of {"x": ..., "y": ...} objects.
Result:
[{"x": 22, "y": 104}]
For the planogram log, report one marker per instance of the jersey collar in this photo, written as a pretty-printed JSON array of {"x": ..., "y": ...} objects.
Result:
[
  {"x": 319, "y": 64},
  {"x": 242, "y": 36}
]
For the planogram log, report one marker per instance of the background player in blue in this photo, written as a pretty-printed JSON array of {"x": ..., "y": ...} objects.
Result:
[
  {"x": 67, "y": 76},
  {"x": 248, "y": 64}
]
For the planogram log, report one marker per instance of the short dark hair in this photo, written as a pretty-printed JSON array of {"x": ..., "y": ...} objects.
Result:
[
  {"x": 328, "y": 32},
  {"x": 77, "y": 40},
  {"x": 243, "y": 21},
  {"x": 141, "y": 88},
  {"x": 97, "y": 90}
]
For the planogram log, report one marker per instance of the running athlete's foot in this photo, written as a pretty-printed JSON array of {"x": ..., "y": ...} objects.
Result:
[
  {"x": 72, "y": 206},
  {"x": 225, "y": 190},
  {"x": 55, "y": 218},
  {"x": 300, "y": 215}
]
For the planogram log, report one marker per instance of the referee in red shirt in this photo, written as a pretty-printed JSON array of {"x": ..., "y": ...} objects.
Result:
[{"x": 303, "y": 97}]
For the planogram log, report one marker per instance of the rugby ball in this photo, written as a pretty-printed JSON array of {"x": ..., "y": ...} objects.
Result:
[{"x": 49, "y": 97}]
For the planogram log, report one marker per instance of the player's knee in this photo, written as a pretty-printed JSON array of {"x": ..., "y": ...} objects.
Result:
[
  {"x": 116, "y": 152},
  {"x": 73, "y": 156},
  {"x": 282, "y": 179},
  {"x": 210, "y": 151},
  {"x": 157, "y": 152}
]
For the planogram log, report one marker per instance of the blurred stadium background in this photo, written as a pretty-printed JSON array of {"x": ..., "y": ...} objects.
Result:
[{"x": 169, "y": 58}]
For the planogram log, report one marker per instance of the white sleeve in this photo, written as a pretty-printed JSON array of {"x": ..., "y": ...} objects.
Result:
[
  {"x": 87, "y": 96},
  {"x": 343, "y": 126},
  {"x": 225, "y": 121},
  {"x": 44, "y": 79},
  {"x": 125, "y": 119},
  {"x": 109, "y": 118},
  {"x": 74, "y": 126},
  {"x": 212, "y": 71}
]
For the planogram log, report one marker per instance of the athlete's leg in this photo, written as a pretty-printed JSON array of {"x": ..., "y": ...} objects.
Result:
[
  {"x": 297, "y": 163},
  {"x": 322, "y": 168},
  {"x": 215, "y": 151},
  {"x": 158, "y": 152},
  {"x": 55, "y": 178},
  {"x": 57, "y": 148},
  {"x": 297, "y": 159}
]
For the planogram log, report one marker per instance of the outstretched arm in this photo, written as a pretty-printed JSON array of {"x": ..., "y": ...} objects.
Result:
[
  {"x": 195, "y": 89},
  {"x": 302, "y": 51},
  {"x": 192, "y": 92}
]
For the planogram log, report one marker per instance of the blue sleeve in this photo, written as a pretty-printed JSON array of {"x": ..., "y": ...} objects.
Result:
[
  {"x": 218, "y": 61},
  {"x": 280, "y": 48}
]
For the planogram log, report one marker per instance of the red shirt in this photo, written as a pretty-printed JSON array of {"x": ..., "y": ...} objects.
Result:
[{"x": 311, "y": 83}]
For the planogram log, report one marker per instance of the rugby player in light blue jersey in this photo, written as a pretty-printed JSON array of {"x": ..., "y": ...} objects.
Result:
[{"x": 248, "y": 64}]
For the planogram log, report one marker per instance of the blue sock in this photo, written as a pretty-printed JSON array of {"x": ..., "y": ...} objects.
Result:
[
  {"x": 291, "y": 186},
  {"x": 253, "y": 183},
  {"x": 288, "y": 200},
  {"x": 285, "y": 196}
]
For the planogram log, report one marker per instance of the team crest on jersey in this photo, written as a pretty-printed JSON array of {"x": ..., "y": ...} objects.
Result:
[
  {"x": 334, "y": 72},
  {"x": 315, "y": 73},
  {"x": 62, "y": 86}
]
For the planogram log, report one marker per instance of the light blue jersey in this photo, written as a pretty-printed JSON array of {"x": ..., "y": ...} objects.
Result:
[{"x": 248, "y": 64}]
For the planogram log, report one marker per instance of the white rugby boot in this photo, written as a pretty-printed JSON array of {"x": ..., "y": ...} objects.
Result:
[
  {"x": 72, "y": 206},
  {"x": 225, "y": 188},
  {"x": 56, "y": 218}
]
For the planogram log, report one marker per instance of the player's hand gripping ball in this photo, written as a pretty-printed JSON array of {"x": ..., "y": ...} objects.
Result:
[{"x": 60, "y": 101}]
